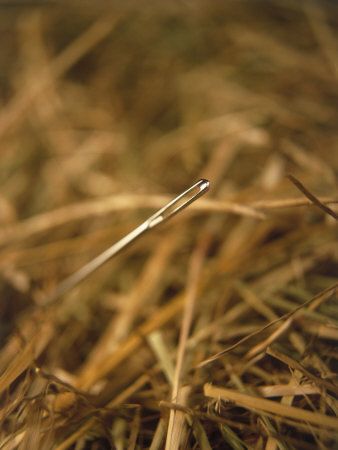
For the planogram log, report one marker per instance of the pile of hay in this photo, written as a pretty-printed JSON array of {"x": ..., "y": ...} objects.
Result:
[{"x": 218, "y": 329}]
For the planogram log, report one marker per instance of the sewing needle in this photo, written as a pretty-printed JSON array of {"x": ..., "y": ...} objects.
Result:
[{"x": 171, "y": 209}]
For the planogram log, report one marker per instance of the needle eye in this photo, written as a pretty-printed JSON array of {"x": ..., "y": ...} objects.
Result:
[{"x": 179, "y": 203}]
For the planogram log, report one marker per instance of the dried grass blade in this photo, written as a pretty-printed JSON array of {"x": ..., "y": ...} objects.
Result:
[
  {"x": 258, "y": 404},
  {"x": 298, "y": 366},
  {"x": 315, "y": 200},
  {"x": 316, "y": 299},
  {"x": 175, "y": 419},
  {"x": 135, "y": 429},
  {"x": 26, "y": 357},
  {"x": 293, "y": 389}
]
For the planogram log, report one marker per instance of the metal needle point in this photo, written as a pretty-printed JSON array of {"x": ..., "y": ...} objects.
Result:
[{"x": 172, "y": 208}]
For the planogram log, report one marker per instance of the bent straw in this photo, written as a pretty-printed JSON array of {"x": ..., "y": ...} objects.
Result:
[{"x": 171, "y": 209}]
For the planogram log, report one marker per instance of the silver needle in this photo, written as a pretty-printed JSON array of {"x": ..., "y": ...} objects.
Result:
[{"x": 176, "y": 205}]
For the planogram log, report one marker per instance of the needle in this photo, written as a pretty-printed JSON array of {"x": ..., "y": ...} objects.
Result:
[{"x": 172, "y": 208}]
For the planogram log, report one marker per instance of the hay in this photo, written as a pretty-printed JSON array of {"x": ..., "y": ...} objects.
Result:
[{"x": 219, "y": 329}]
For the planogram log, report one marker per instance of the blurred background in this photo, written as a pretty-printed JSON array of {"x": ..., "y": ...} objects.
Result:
[{"x": 108, "y": 110}]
